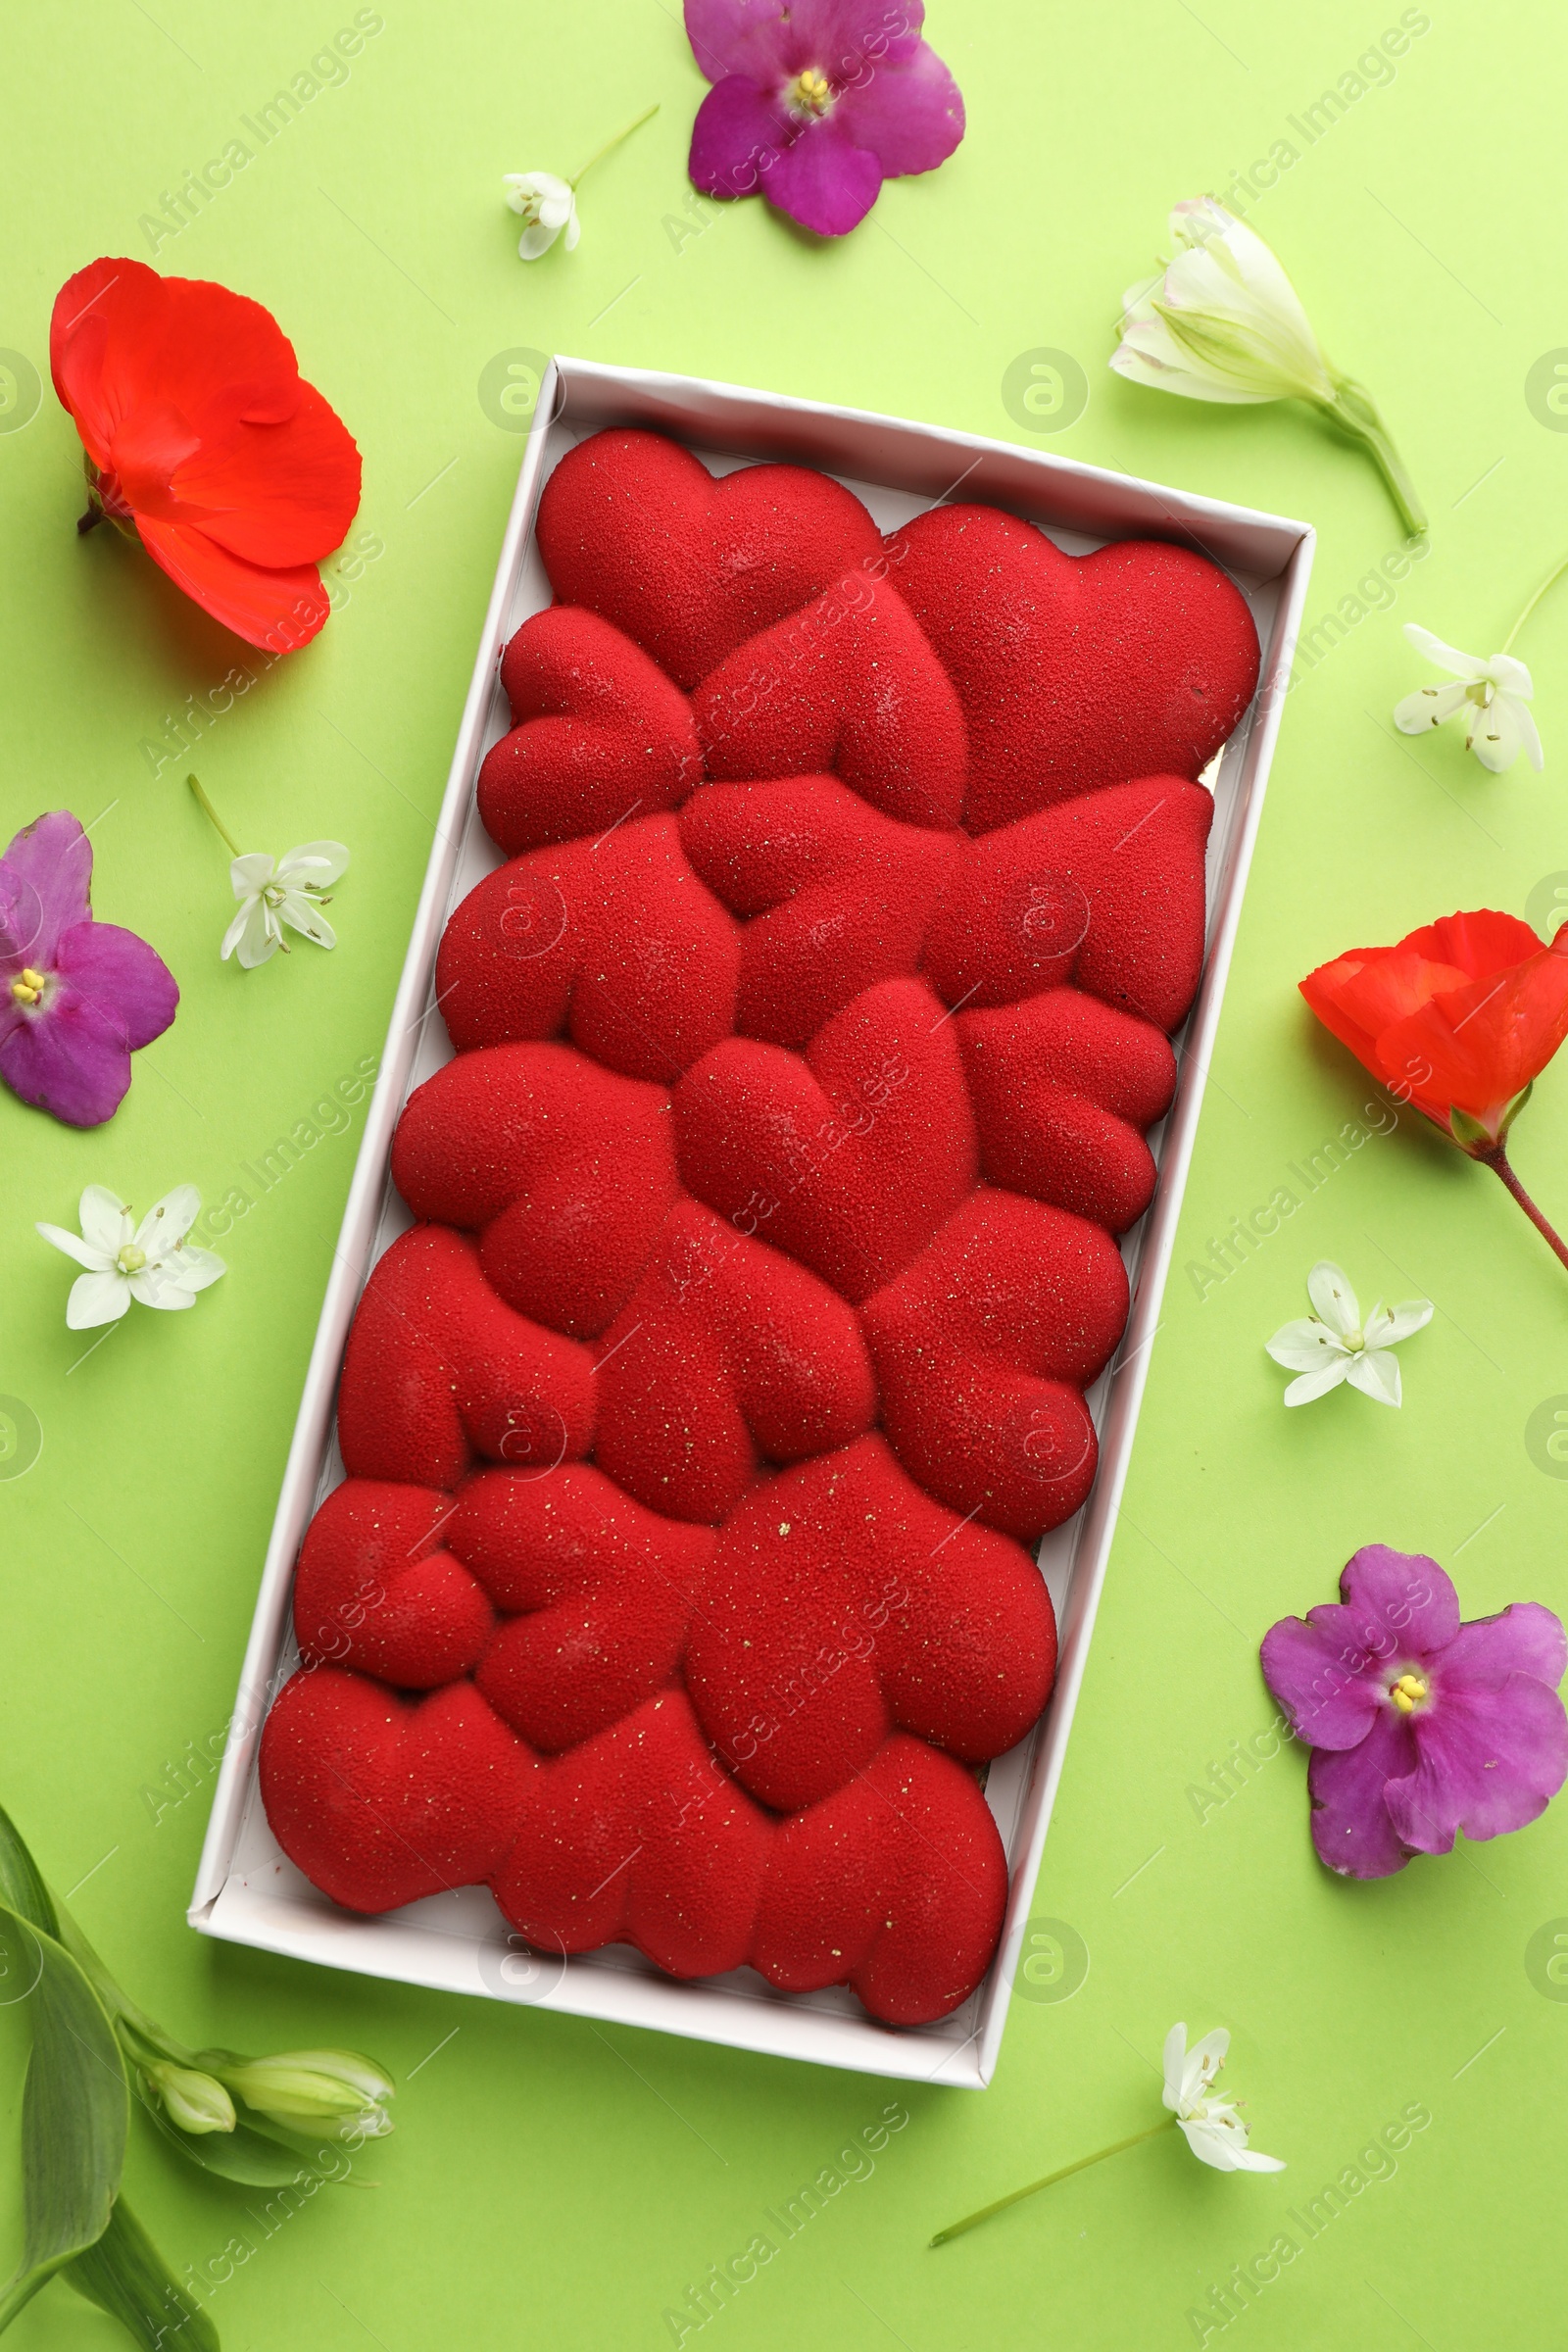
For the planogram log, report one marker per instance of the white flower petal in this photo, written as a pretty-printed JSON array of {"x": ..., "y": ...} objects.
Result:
[
  {"x": 105, "y": 1220},
  {"x": 169, "y": 1220},
  {"x": 1148, "y": 355},
  {"x": 193, "y": 1268},
  {"x": 1208, "y": 2145},
  {"x": 1386, "y": 1326},
  {"x": 1529, "y": 736},
  {"x": 1203, "y": 2062},
  {"x": 249, "y": 873},
  {"x": 570, "y": 241},
  {"x": 318, "y": 863},
  {"x": 1249, "y": 2160},
  {"x": 1376, "y": 1374},
  {"x": 1313, "y": 1385},
  {"x": 96, "y": 1261},
  {"x": 1511, "y": 676},
  {"x": 1328, "y": 1286},
  {"x": 535, "y": 240},
  {"x": 1444, "y": 657},
  {"x": 261, "y": 938},
  {"x": 151, "y": 1287},
  {"x": 1428, "y": 707},
  {"x": 1303, "y": 1347},
  {"x": 1495, "y": 734},
  {"x": 1175, "y": 2061},
  {"x": 303, "y": 916},
  {"x": 96, "y": 1299}
]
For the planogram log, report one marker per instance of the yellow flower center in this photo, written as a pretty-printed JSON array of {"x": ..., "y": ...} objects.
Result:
[
  {"x": 813, "y": 93},
  {"x": 1406, "y": 1691},
  {"x": 27, "y": 986},
  {"x": 131, "y": 1259}
]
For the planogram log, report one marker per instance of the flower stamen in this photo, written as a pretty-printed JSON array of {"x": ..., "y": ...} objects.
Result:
[
  {"x": 28, "y": 986},
  {"x": 813, "y": 93},
  {"x": 1407, "y": 1693}
]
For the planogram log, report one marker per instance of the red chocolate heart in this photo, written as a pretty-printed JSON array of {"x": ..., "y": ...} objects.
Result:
[
  {"x": 851, "y": 1158},
  {"x": 375, "y": 1590},
  {"x": 565, "y": 1170},
  {"x": 748, "y": 1355},
  {"x": 1074, "y": 672},
  {"x": 712, "y": 562},
  {"x": 840, "y": 896},
  {"x": 616, "y": 942},
  {"x": 381, "y": 1801},
  {"x": 599, "y": 733},
  {"x": 848, "y": 686}
]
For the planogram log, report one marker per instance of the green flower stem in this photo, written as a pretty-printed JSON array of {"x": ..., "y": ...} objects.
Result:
[
  {"x": 1496, "y": 1159},
  {"x": 1550, "y": 581},
  {"x": 1354, "y": 410},
  {"x": 600, "y": 152},
  {"x": 213, "y": 817},
  {"x": 972, "y": 2220}
]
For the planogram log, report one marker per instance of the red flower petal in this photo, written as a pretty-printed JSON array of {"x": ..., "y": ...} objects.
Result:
[
  {"x": 280, "y": 610},
  {"x": 1462, "y": 1014},
  {"x": 232, "y": 466}
]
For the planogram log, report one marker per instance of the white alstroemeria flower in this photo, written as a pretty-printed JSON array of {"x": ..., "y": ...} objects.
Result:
[
  {"x": 1334, "y": 1345},
  {"x": 548, "y": 205},
  {"x": 195, "y": 2101},
  {"x": 1493, "y": 691},
  {"x": 152, "y": 1263},
  {"x": 340, "y": 2092},
  {"x": 1213, "y": 2131},
  {"x": 1224, "y": 323},
  {"x": 288, "y": 890}
]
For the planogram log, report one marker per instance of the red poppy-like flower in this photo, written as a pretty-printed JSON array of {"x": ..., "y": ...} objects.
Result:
[
  {"x": 1459, "y": 1019},
  {"x": 203, "y": 441}
]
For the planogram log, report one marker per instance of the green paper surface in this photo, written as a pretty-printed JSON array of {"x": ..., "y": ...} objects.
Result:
[{"x": 553, "y": 2181}]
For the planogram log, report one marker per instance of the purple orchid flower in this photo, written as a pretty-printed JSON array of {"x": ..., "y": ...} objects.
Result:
[
  {"x": 817, "y": 102},
  {"x": 1419, "y": 1726},
  {"x": 76, "y": 998}
]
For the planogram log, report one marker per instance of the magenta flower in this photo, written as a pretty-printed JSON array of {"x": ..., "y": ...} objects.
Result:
[
  {"x": 1419, "y": 1726},
  {"x": 817, "y": 102},
  {"x": 76, "y": 998}
]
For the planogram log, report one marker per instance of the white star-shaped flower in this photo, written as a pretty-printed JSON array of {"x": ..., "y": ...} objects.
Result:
[
  {"x": 1334, "y": 1345},
  {"x": 1494, "y": 692},
  {"x": 548, "y": 205},
  {"x": 272, "y": 892},
  {"x": 152, "y": 1263},
  {"x": 1213, "y": 2131}
]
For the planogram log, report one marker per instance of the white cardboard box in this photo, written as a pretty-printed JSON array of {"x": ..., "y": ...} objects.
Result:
[{"x": 245, "y": 1891}]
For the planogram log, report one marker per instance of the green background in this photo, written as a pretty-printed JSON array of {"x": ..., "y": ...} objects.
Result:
[{"x": 552, "y": 2182}]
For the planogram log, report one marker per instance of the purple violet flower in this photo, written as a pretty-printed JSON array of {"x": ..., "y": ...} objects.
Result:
[
  {"x": 1419, "y": 1726},
  {"x": 817, "y": 102},
  {"x": 76, "y": 998}
]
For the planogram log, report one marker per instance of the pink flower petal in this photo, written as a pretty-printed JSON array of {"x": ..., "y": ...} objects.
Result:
[
  {"x": 824, "y": 181},
  {"x": 45, "y": 881},
  {"x": 73, "y": 1059},
  {"x": 736, "y": 136},
  {"x": 772, "y": 41},
  {"x": 1351, "y": 1827},
  {"x": 1396, "y": 1605},
  {"x": 908, "y": 113},
  {"x": 121, "y": 971},
  {"x": 1525, "y": 1638},
  {"x": 1490, "y": 1758},
  {"x": 1331, "y": 1703}
]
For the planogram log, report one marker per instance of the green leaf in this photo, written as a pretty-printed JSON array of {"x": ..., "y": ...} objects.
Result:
[
  {"x": 124, "y": 2274},
  {"x": 75, "y": 2109},
  {"x": 21, "y": 1884}
]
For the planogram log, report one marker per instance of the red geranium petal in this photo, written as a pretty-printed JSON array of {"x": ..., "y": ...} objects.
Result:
[
  {"x": 276, "y": 494},
  {"x": 1485, "y": 1042},
  {"x": 280, "y": 610},
  {"x": 1482, "y": 940}
]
